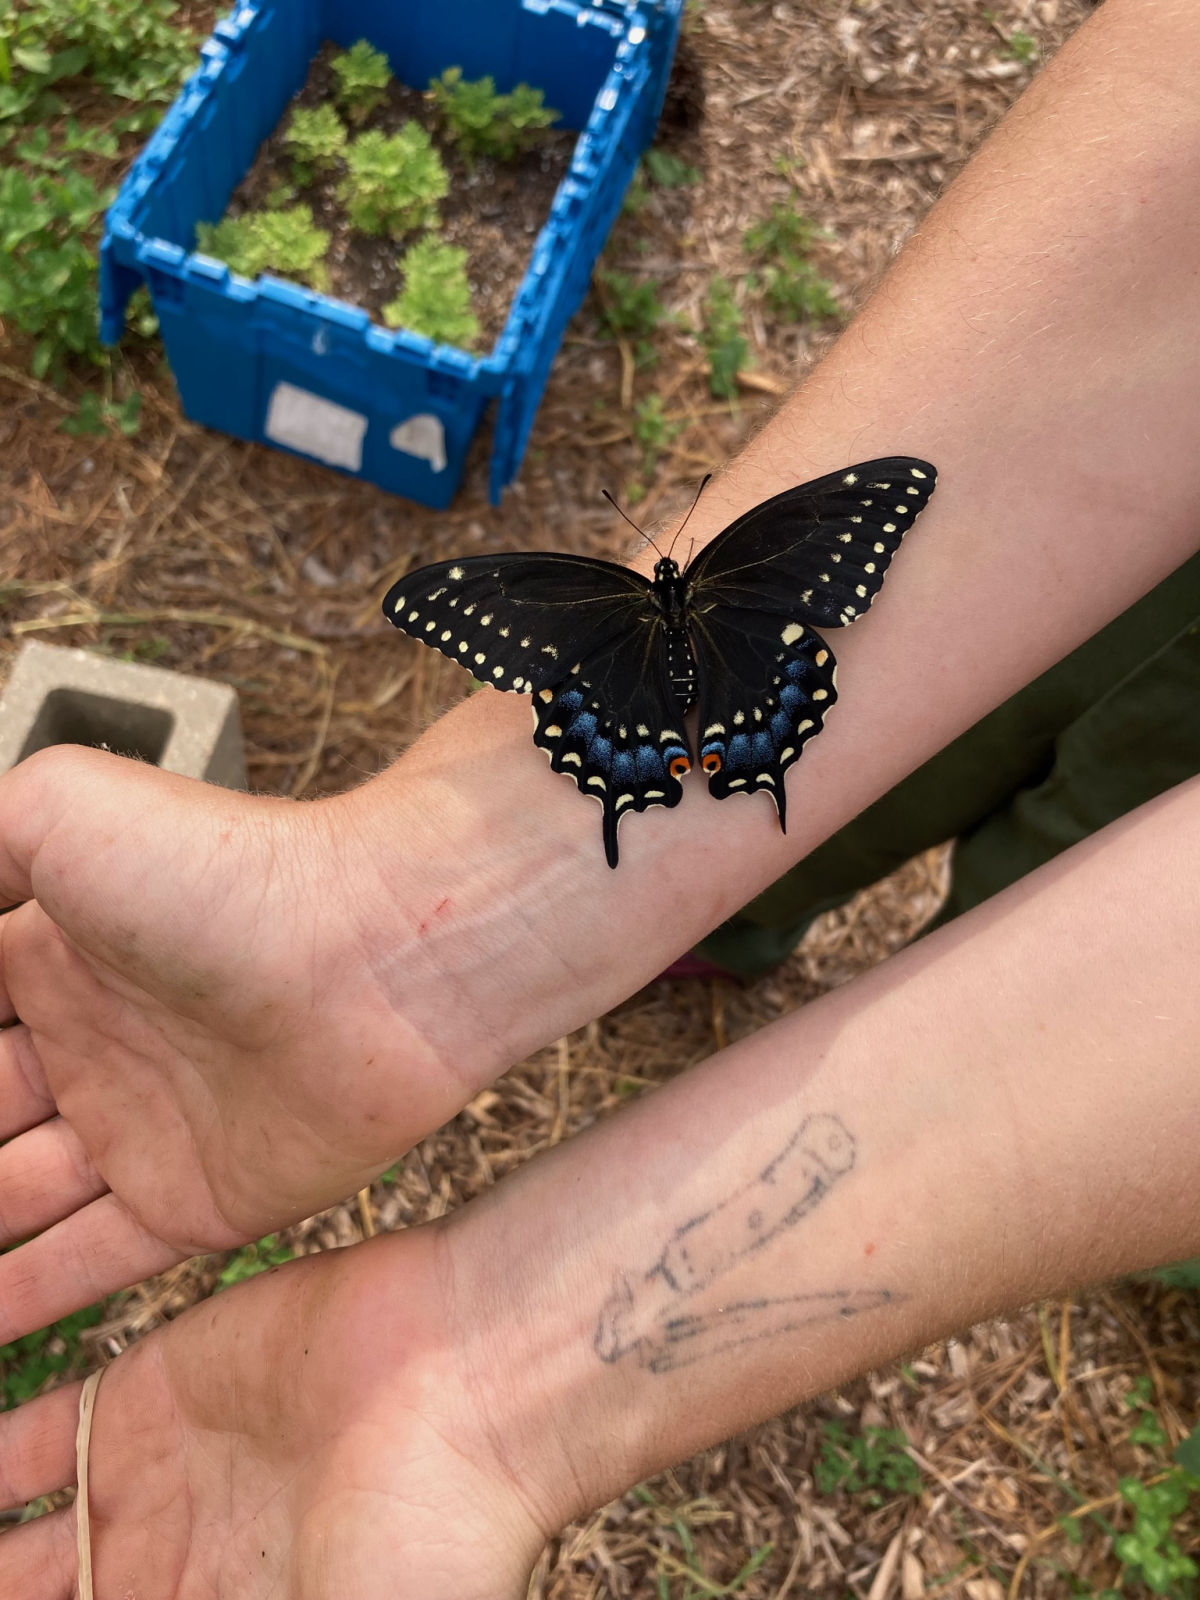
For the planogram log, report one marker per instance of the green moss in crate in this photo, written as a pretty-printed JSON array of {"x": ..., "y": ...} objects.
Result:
[
  {"x": 393, "y": 185},
  {"x": 484, "y": 123},
  {"x": 436, "y": 298},
  {"x": 316, "y": 141},
  {"x": 363, "y": 76}
]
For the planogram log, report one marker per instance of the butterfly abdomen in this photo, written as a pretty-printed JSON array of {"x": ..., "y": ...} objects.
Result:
[{"x": 681, "y": 667}]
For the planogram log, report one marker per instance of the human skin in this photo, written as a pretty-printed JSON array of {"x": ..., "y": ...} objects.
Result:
[
  {"x": 1005, "y": 1109},
  {"x": 235, "y": 1010}
]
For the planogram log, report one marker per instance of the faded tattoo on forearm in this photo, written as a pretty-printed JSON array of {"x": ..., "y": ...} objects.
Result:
[{"x": 655, "y": 1317}]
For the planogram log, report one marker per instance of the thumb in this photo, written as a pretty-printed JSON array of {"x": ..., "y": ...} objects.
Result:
[{"x": 58, "y": 805}]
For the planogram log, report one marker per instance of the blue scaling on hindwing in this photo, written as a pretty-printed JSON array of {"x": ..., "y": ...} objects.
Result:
[
  {"x": 624, "y": 762},
  {"x": 754, "y": 729}
]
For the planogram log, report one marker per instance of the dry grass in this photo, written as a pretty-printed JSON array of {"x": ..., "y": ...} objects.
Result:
[{"x": 216, "y": 557}]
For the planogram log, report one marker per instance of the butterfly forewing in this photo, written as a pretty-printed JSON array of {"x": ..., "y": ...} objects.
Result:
[
  {"x": 821, "y": 550},
  {"x": 519, "y": 622}
]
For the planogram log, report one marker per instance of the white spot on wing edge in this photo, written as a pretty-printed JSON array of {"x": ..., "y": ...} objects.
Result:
[
  {"x": 917, "y": 473},
  {"x": 792, "y": 632}
]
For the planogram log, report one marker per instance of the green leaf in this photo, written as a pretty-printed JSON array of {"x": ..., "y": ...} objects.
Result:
[
  {"x": 1180, "y": 1274},
  {"x": 32, "y": 59},
  {"x": 1187, "y": 1453}
]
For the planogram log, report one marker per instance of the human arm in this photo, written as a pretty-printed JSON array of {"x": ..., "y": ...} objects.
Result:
[
  {"x": 1005, "y": 1109},
  {"x": 235, "y": 1010}
]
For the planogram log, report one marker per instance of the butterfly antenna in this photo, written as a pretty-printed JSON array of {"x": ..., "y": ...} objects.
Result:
[
  {"x": 649, "y": 540},
  {"x": 704, "y": 481}
]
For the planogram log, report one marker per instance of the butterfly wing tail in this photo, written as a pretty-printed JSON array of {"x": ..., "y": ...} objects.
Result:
[{"x": 611, "y": 822}]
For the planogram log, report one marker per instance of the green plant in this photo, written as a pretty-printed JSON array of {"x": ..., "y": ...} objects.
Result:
[
  {"x": 55, "y": 55},
  {"x": 287, "y": 242},
  {"x": 723, "y": 339},
  {"x": 653, "y": 431},
  {"x": 99, "y": 414},
  {"x": 316, "y": 141},
  {"x": 231, "y": 240},
  {"x": 363, "y": 76},
  {"x": 1150, "y": 1550},
  {"x": 669, "y": 171},
  {"x": 48, "y": 265},
  {"x": 783, "y": 231},
  {"x": 875, "y": 1460},
  {"x": 791, "y": 285},
  {"x": 291, "y": 244},
  {"x": 1151, "y": 1553},
  {"x": 436, "y": 298},
  {"x": 1022, "y": 47},
  {"x": 1179, "y": 1275},
  {"x": 252, "y": 1259},
  {"x": 630, "y": 307},
  {"x": 393, "y": 185},
  {"x": 27, "y": 1363},
  {"x": 134, "y": 50},
  {"x": 484, "y": 123}
]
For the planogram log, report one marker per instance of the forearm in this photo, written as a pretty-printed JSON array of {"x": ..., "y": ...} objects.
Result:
[
  {"x": 1032, "y": 342},
  {"x": 1007, "y": 1109}
]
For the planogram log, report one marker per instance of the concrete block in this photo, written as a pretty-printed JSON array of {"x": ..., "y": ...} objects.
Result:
[{"x": 171, "y": 719}]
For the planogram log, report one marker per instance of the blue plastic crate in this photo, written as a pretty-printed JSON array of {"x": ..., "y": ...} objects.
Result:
[{"x": 283, "y": 365}]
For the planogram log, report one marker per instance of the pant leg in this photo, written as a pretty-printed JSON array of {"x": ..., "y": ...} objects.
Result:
[{"x": 1111, "y": 725}]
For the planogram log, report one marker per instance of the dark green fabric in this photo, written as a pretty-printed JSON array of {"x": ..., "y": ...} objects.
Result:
[{"x": 1112, "y": 725}]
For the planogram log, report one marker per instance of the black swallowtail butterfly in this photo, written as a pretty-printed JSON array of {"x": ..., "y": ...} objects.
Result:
[{"x": 614, "y": 660}]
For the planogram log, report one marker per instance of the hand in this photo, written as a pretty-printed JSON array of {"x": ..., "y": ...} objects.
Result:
[
  {"x": 309, "y": 1435},
  {"x": 201, "y": 1055}
]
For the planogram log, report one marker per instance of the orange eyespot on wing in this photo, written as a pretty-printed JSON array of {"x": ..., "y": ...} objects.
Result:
[
  {"x": 679, "y": 767},
  {"x": 711, "y": 763}
]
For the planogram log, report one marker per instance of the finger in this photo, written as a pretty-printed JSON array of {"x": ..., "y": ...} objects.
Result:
[
  {"x": 8, "y": 1012},
  {"x": 94, "y": 1253},
  {"x": 37, "y": 1447},
  {"x": 37, "y": 1559},
  {"x": 25, "y": 1098},
  {"x": 27, "y": 808},
  {"x": 45, "y": 1175}
]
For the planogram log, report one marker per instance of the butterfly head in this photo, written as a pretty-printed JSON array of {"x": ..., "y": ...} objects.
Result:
[{"x": 665, "y": 570}]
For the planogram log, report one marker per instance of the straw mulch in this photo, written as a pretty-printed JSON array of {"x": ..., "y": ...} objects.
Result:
[{"x": 211, "y": 556}]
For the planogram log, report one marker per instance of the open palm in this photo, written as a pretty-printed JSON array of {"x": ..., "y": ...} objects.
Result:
[
  {"x": 309, "y": 1435},
  {"x": 195, "y": 1058}
]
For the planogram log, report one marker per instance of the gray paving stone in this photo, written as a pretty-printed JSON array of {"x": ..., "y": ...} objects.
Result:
[{"x": 180, "y": 723}]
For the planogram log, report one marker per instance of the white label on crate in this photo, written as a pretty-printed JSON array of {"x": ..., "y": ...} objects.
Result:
[
  {"x": 422, "y": 436},
  {"x": 320, "y": 428}
]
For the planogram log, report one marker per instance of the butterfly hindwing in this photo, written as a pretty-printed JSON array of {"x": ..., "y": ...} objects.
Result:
[
  {"x": 822, "y": 548},
  {"x": 764, "y": 685},
  {"x": 616, "y": 734}
]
